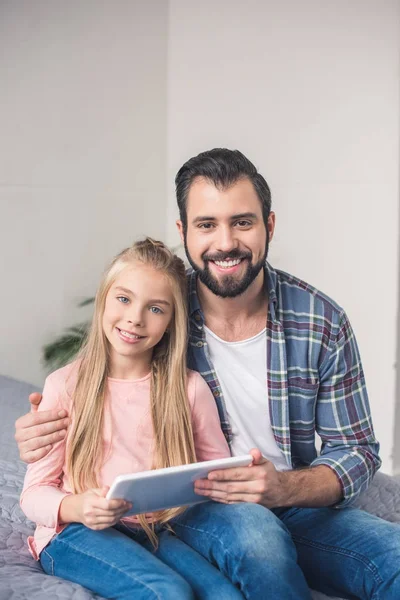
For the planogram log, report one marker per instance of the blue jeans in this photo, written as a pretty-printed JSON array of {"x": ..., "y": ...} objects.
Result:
[
  {"x": 252, "y": 562},
  {"x": 120, "y": 563},
  {"x": 347, "y": 553}
]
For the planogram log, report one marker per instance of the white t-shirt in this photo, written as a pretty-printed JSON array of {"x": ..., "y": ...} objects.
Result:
[{"x": 241, "y": 368}]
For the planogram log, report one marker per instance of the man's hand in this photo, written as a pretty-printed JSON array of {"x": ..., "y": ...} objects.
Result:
[
  {"x": 35, "y": 432},
  {"x": 92, "y": 509},
  {"x": 261, "y": 483}
]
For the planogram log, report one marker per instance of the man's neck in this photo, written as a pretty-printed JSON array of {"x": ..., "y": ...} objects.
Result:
[{"x": 238, "y": 318}]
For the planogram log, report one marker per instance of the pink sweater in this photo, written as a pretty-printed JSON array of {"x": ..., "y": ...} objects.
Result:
[{"x": 128, "y": 443}]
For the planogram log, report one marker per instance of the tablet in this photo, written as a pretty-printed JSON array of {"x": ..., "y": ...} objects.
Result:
[{"x": 170, "y": 487}]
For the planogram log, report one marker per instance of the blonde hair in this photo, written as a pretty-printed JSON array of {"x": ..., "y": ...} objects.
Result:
[{"x": 170, "y": 411}]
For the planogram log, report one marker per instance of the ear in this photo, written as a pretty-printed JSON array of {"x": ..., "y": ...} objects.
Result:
[
  {"x": 179, "y": 225},
  {"x": 271, "y": 225}
]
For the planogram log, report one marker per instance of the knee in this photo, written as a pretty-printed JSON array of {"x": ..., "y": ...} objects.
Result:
[
  {"x": 389, "y": 584},
  {"x": 257, "y": 531},
  {"x": 176, "y": 587}
]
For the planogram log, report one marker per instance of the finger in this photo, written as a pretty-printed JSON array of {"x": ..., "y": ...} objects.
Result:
[
  {"x": 101, "y": 492},
  {"x": 104, "y": 517},
  {"x": 228, "y": 497},
  {"x": 114, "y": 504},
  {"x": 35, "y": 399},
  {"x": 235, "y": 474},
  {"x": 217, "y": 495},
  {"x": 117, "y": 503},
  {"x": 230, "y": 487},
  {"x": 40, "y": 423},
  {"x": 98, "y": 500},
  {"x": 31, "y": 457},
  {"x": 102, "y": 520},
  {"x": 96, "y": 512},
  {"x": 258, "y": 458},
  {"x": 43, "y": 441}
]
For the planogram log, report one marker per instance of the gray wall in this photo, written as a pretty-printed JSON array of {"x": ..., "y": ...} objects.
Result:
[
  {"x": 82, "y": 157},
  {"x": 310, "y": 92}
]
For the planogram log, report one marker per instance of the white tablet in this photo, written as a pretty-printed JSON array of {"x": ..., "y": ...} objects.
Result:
[{"x": 166, "y": 488}]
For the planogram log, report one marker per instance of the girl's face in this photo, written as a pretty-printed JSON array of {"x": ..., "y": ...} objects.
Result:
[{"x": 138, "y": 310}]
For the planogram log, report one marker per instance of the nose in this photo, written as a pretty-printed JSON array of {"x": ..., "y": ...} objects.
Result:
[
  {"x": 135, "y": 316},
  {"x": 226, "y": 239}
]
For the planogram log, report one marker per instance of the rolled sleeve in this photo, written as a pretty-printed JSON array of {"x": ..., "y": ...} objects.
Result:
[{"x": 343, "y": 417}]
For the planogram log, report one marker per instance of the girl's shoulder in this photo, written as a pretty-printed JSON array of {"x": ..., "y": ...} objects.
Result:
[
  {"x": 196, "y": 386},
  {"x": 64, "y": 380}
]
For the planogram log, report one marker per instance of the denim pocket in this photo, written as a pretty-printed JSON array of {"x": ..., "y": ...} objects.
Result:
[{"x": 47, "y": 562}]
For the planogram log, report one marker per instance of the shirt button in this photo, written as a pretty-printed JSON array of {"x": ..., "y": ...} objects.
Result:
[
  {"x": 199, "y": 344},
  {"x": 197, "y": 317},
  {"x": 216, "y": 393}
]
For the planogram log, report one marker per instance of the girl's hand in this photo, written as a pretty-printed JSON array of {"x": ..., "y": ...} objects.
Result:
[
  {"x": 92, "y": 509},
  {"x": 99, "y": 513}
]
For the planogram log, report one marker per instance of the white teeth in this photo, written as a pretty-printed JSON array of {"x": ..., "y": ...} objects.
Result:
[
  {"x": 225, "y": 264},
  {"x": 131, "y": 336}
]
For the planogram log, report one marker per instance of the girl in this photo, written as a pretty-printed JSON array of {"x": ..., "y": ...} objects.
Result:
[{"x": 133, "y": 407}]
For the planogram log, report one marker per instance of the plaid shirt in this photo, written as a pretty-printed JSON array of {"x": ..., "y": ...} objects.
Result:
[{"x": 315, "y": 381}]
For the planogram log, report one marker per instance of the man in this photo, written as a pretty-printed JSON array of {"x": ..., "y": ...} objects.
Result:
[{"x": 282, "y": 362}]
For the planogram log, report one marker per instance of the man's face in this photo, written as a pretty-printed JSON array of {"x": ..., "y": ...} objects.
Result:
[{"x": 226, "y": 238}]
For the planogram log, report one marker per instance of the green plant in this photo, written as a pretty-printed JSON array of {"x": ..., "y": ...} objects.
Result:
[{"x": 62, "y": 350}]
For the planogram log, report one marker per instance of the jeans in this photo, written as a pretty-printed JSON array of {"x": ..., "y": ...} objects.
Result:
[
  {"x": 120, "y": 563},
  {"x": 260, "y": 554},
  {"x": 252, "y": 562},
  {"x": 250, "y": 546},
  {"x": 346, "y": 552}
]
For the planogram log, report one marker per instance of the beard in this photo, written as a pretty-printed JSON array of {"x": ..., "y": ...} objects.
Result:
[{"x": 228, "y": 286}]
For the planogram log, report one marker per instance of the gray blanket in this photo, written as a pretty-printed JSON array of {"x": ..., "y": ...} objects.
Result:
[{"x": 20, "y": 576}]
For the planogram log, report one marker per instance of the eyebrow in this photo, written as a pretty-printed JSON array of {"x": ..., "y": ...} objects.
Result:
[
  {"x": 152, "y": 301},
  {"x": 247, "y": 215}
]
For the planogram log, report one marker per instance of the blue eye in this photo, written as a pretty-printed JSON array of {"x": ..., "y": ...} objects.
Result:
[
  {"x": 123, "y": 299},
  {"x": 155, "y": 310}
]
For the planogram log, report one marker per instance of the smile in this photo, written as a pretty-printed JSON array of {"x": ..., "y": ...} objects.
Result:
[
  {"x": 128, "y": 335},
  {"x": 226, "y": 264},
  {"x": 230, "y": 264}
]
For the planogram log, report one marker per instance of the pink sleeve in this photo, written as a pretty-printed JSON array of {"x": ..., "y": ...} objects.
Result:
[
  {"x": 41, "y": 495},
  {"x": 209, "y": 440}
]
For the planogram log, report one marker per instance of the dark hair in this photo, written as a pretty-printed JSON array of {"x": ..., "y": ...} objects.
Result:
[{"x": 223, "y": 168}]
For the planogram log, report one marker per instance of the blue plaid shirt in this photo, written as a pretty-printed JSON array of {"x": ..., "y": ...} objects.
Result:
[{"x": 315, "y": 381}]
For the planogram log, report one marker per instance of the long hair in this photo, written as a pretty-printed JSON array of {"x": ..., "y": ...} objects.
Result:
[{"x": 170, "y": 411}]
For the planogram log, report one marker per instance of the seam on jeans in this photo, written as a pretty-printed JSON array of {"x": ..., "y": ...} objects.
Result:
[
  {"x": 215, "y": 537},
  {"x": 60, "y": 541},
  {"x": 44, "y": 551},
  {"x": 369, "y": 565}
]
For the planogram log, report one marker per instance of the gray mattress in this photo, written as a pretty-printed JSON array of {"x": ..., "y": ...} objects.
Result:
[{"x": 21, "y": 577}]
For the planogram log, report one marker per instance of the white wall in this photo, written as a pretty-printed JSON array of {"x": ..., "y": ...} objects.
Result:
[
  {"x": 82, "y": 157},
  {"x": 310, "y": 92}
]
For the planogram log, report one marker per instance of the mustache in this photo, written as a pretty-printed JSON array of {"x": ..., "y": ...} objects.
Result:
[{"x": 234, "y": 254}]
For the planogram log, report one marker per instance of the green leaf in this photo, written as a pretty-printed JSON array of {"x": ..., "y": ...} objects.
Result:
[
  {"x": 86, "y": 301},
  {"x": 65, "y": 348}
]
